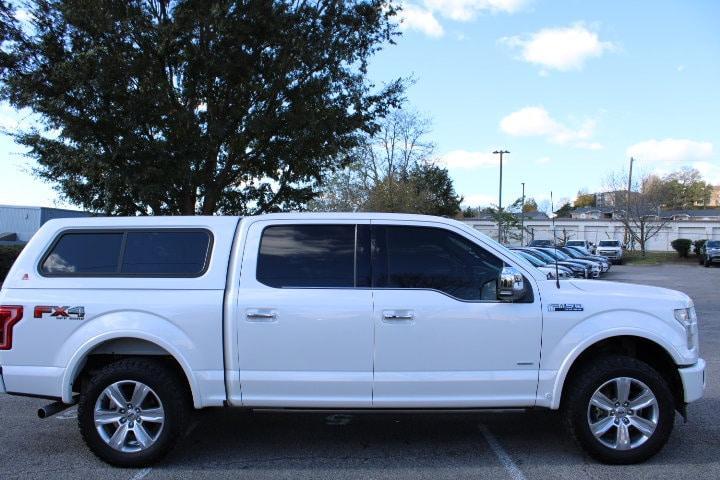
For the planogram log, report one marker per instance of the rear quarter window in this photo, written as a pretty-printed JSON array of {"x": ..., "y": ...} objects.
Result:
[{"x": 150, "y": 253}]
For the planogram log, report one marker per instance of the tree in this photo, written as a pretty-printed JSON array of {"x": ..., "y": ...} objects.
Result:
[
  {"x": 427, "y": 189},
  {"x": 510, "y": 220},
  {"x": 639, "y": 210},
  {"x": 584, "y": 199},
  {"x": 469, "y": 212},
  {"x": 564, "y": 211},
  {"x": 392, "y": 171},
  {"x": 682, "y": 189},
  {"x": 181, "y": 106},
  {"x": 530, "y": 205}
]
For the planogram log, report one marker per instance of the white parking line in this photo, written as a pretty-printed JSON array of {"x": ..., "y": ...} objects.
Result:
[
  {"x": 507, "y": 462},
  {"x": 141, "y": 474},
  {"x": 67, "y": 415}
]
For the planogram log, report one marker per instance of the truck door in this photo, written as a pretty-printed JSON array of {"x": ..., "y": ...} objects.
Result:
[
  {"x": 305, "y": 331},
  {"x": 442, "y": 339}
]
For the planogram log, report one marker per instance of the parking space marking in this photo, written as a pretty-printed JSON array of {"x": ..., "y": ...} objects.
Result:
[
  {"x": 507, "y": 462},
  {"x": 141, "y": 474},
  {"x": 67, "y": 415},
  {"x": 340, "y": 419}
]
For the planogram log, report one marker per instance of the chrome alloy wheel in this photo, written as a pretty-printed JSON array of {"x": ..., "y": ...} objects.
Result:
[
  {"x": 623, "y": 413},
  {"x": 129, "y": 416}
]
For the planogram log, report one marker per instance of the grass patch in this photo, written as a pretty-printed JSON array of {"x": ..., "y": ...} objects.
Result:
[{"x": 656, "y": 258}]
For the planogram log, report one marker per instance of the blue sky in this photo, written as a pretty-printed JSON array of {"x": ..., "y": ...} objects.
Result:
[{"x": 571, "y": 87}]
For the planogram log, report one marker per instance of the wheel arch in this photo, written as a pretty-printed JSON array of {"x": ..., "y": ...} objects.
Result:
[
  {"x": 119, "y": 344},
  {"x": 637, "y": 346}
]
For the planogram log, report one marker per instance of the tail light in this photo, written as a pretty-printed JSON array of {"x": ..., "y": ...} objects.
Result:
[{"x": 9, "y": 316}]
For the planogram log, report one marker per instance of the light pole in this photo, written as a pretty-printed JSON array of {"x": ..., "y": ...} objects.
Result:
[
  {"x": 500, "y": 152},
  {"x": 522, "y": 216}
]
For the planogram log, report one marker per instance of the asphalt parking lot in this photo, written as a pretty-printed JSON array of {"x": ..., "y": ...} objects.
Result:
[{"x": 517, "y": 445}]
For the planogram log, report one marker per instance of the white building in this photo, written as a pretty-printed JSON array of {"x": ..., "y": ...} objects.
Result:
[
  {"x": 18, "y": 223},
  {"x": 595, "y": 230}
]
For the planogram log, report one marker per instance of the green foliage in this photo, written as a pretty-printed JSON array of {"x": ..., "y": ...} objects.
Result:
[
  {"x": 584, "y": 200},
  {"x": 469, "y": 212},
  {"x": 682, "y": 246},
  {"x": 682, "y": 189},
  {"x": 564, "y": 211},
  {"x": 428, "y": 190},
  {"x": 8, "y": 254},
  {"x": 530, "y": 205},
  {"x": 698, "y": 246},
  {"x": 185, "y": 107}
]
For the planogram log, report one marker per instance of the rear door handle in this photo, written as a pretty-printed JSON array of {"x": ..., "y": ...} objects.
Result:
[
  {"x": 260, "y": 315},
  {"x": 398, "y": 316}
]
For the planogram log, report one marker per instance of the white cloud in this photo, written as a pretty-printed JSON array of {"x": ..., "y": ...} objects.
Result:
[
  {"x": 671, "y": 151},
  {"x": 564, "y": 48},
  {"x": 413, "y": 17},
  {"x": 542, "y": 161},
  {"x": 462, "y": 159},
  {"x": 709, "y": 171},
  {"x": 537, "y": 122},
  {"x": 466, "y": 10},
  {"x": 422, "y": 16}
]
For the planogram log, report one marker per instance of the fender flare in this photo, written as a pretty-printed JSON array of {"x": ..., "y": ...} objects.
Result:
[
  {"x": 87, "y": 338},
  {"x": 580, "y": 348}
]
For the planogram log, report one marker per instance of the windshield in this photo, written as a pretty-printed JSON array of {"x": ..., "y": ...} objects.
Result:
[
  {"x": 572, "y": 252},
  {"x": 713, "y": 244},
  {"x": 573, "y": 243},
  {"x": 609, "y": 243},
  {"x": 541, "y": 255},
  {"x": 556, "y": 253},
  {"x": 534, "y": 260}
]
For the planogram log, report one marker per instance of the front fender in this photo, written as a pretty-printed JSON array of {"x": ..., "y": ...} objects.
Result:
[
  {"x": 569, "y": 344},
  {"x": 126, "y": 324}
]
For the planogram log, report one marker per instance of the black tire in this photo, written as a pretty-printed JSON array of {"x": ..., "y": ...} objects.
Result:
[
  {"x": 168, "y": 387},
  {"x": 707, "y": 263},
  {"x": 583, "y": 385}
]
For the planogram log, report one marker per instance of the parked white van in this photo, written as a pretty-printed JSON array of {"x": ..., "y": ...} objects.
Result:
[{"x": 140, "y": 320}]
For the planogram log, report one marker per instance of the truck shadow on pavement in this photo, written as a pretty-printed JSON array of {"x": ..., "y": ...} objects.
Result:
[{"x": 276, "y": 441}]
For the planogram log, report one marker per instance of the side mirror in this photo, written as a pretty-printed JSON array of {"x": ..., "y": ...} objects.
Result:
[{"x": 511, "y": 285}]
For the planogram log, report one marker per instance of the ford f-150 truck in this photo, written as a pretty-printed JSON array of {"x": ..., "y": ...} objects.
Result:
[{"x": 140, "y": 320}]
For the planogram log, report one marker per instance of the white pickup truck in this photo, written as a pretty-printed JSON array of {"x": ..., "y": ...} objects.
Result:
[{"x": 140, "y": 320}]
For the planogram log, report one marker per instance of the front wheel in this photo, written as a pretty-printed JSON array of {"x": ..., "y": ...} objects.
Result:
[
  {"x": 133, "y": 411},
  {"x": 620, "y": 410}
]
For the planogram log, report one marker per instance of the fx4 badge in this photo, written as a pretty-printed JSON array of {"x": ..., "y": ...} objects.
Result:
[
  {"x": 71, "y": 313},
  {"x": 565, "y": 307}
]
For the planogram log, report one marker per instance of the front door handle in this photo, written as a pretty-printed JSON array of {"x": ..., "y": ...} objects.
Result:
[
  {"x": 260, "y": 315},
  {"x": 398, "y": 315}
]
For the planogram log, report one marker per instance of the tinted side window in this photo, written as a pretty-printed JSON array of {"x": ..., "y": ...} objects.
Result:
[
  {"x": 433, "y": 258},
  {"x": 307, "y": 256},
  {"x": 166, "y": 252},
  {"x": 78, "y": 253}
]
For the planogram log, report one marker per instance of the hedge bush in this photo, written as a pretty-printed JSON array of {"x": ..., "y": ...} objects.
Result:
[
  {"x": 682, "y": 246},
  {"x": 8, "y": 254},
  {"x": 698, "y": 245}
]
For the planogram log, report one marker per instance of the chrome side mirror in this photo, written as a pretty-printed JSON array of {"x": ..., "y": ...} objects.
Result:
[{"x": 511, "y": 285}]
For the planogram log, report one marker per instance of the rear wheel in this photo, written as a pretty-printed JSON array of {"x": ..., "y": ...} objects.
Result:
[
  {"x": 133, "y": 412},
  {"x": 620, "y": 410}
]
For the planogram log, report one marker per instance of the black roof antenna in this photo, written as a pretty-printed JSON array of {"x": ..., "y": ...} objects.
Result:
[{"x": 552, "y": 212}]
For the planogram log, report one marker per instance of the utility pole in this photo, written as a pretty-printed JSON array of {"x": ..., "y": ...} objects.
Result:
[
  {"x": 522, "y": 216},
  {"x": 500, "y": 152},
  {"x": 627, "y": 201}
]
